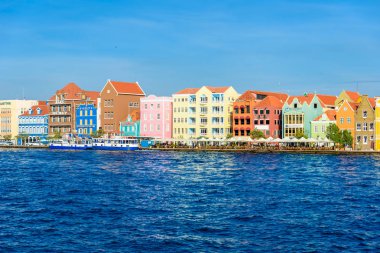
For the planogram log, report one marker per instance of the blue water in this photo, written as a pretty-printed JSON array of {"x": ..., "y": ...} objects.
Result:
[{"x": 88, "y": 201}]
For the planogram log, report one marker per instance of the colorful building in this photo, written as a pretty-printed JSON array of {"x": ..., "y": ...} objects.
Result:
[
  {"x": 117, "y": 101},
  {"x": 299, "y": 111},
  {"x": 33, "y": 123},
  {"x": 10, "y": 110},
  {"x": 131, "y": 125},
  {"x": 349, "y": 96},
  {"x": 260, "y": 110},
  {"x": 156, "y": 117},
  {"x": 377, "y": 125},
  {"x": 86, "y": 119},
  {"x": 203, "y": 112},
  {"x": 319, "y": 125},
  {"x": 345, "y": 117},
  {"x": 365, "y": 124},
  {"x": 63, "y": 104}
]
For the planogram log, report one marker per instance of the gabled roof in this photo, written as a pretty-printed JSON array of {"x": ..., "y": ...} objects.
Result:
[
  {"x": 281, "y": 96},
  {"x": 73, "y": 92},
  {"x": 43, "y": 107},
  {"x": 218, "y": 89},
  {"x": 327, "y": 100},
  {"x": 270, "y": 101},
  {"x": 353, "y": 95},
  {"x": 302, "y": 99},
  {"x": 127, "y": 88},
  {"x": 188, "y": 91},
  {"x": 372, "y": 101},
  {"x": 331, "y": 115}
]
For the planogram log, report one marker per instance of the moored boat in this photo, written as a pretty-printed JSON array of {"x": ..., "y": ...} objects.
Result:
[
  {"x": 67, "y": 145},
  {"x": 118, "y": 143}
]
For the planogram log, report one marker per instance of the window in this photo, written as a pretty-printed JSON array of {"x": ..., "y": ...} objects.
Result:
[
  {"x": 158, "y": 106},
  {"x": 158, "y": 116},
  {"x": 203, "y": 110},
  {"x": 323, "y": 128},
  {"x": 365, "y": 139},
  {"x": 203, "y": 131},
  {"x": 365, "y": 127},
  {"x": 371, "y": 138},
  {"x": 315, "y": 105},
  {"x": 203, "y": 121},
  {"x": 358, "y": 127},
  {"x": 349, "y": 120},
  {"x": 267, "y": 112},
  {"x": 315, "y": 129},
  {"x": 371, "y": 126},
  {"x": 295, "y": 105},
  {"x": 365, "y": 114},
  {"x": 341, "y": 120},
  {"x": 358, "y": 138},
  {"x": 158, "y": 128},
  {"x": 146, "y": 106}
]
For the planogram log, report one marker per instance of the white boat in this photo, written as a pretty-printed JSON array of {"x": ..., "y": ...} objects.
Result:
[
  {"x": 118, "y": 143},
  {"x": 70, "y": 145}
]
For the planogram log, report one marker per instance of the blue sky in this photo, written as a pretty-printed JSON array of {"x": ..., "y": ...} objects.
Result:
[{"x": 288, "y": 46}]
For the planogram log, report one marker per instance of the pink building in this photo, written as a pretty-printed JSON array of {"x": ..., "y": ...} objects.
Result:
[{"x": 156, "y": 117}]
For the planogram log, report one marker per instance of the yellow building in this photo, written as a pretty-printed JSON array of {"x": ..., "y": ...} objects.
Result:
[
  {"x": 203, "y": 112},
  {"x": 377, "y": 125},
  {"x": 9, "y": 112}
]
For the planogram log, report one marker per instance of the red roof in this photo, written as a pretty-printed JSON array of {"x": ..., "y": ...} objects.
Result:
[
  {"x": 218, "y": 89},
  {"x": 372, "y": 101},
  {"x": 281, "y": 96},
  {"x": 73, "y": 92},
  {"x": 43, "y": 107},
  {"x": 127, "y": 88},
  {"x": 331, "y": 115},
  {"x": 327, "y": 100},
  {"x": 353, "y": 95},
  {"x": 93, "y": 95},
  {"x": 188, "y": 91},
  {"x": 302, "y": 99},
  {"x": 270, "y": 101}
]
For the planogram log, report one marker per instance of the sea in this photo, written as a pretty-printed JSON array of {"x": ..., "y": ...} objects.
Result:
[{"x": 158, "y": 201}]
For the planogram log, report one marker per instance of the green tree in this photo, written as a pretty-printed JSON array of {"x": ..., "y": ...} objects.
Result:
[
  {"x": 257, "y": 134},
  {"x": 229, "y": 136},
  {"x": 98, "y": 133},
  {"x": 300, "y": 134},
  {"x": 333, "y": 133},
  {"x": 57, "y": 135},
  {"x": 7, "y": 137},
  {"x": 347, "y": 138}
]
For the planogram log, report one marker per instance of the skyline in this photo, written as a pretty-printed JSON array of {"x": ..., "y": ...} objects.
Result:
[{"x": 285, "y": 46}]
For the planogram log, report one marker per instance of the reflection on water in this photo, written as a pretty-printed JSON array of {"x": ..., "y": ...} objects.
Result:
[{"x": 182, "y": 202}]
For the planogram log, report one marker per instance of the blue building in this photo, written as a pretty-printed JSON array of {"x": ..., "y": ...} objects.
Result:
[
  {"x": 131, "y": 125},
  {"x": 85, "y": 119},
  {"x": 33, "y": 124}
]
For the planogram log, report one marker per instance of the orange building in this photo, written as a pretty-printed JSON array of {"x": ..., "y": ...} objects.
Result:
[{"x": 345, "y": 117}]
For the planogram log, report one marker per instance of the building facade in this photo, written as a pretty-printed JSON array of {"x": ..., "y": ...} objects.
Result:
[
  {"x": 63, "y": 104},
  {"x": 345, "y": 95},
  {"x": 33, "y": 123},
  {"x": 131, "y": 125},
  {"x": 117, "y": 101},
  {"x": 156, "y": 117},
  {"x": 319, "y": 125},
  {"x": 365, "y": 124},
  {"x": 299, "y": 111},
  {"x": 204, "y": 112},
  {"x": 86, "y": 119},
  {"x": 10, "y": 110},
  {"x": 260, "y": 110},
  {"x": 377, "y": 125}
]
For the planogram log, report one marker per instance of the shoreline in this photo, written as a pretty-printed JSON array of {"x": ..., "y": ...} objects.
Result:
[
  {"x": 236, "y": 150},
  {"x": 270, "y": 151}
]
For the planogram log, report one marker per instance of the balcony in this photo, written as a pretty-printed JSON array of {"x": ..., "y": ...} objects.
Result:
[{"x": 60, "y": 112}]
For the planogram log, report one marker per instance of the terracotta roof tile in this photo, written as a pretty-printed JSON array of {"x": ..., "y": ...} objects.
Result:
[
  {"x": 353, "y": 95},
  {"x": 281, "y": 96},
  {"x": 302, "y": 99},
  {"x": 270, "y": 101},
  {"x": 331, "y": 114},
  {"x": 327, "y": 100},
  {"x": 73, "y": 92},
  {"x": 188, "y": 91},
  {"x": 127, "y": 88},
  {"x": 218, "y": 89},
  {"x": 372, "y": 101},
  {"x": 44, "y": 110}
]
